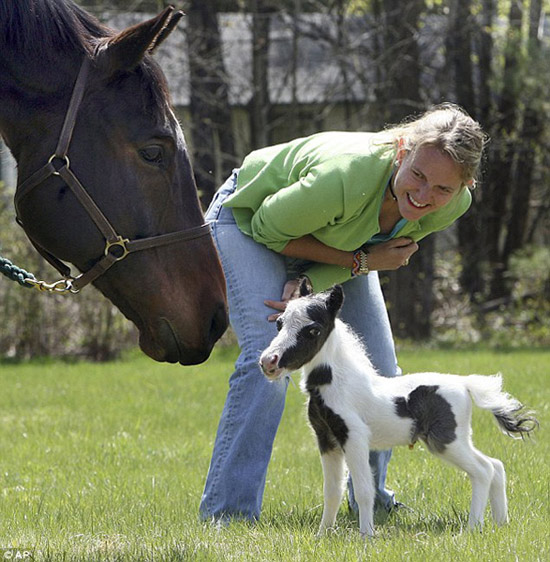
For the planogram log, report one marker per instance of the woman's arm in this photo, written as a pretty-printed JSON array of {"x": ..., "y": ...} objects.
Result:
[
  {"x": 309, "y": 248},
  {"x": 386, "y": 256}
]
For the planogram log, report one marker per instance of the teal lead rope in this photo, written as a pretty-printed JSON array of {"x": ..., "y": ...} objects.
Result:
[
  {"x": 29, "y": 281},
  {"x": 15, "y": 273}
]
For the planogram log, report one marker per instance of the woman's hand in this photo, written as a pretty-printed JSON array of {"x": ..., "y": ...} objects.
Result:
[
  {"x": 385, "y": 256},
  {"x": 391, "y": 255},
  {"x": 290, "y": 291}
]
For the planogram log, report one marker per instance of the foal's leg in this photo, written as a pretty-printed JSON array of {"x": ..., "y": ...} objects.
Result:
[
  {"x": 497, "y": 493},
  {"x": 357, "y": 459},
  {"x": 333, "y": 485},
  {"x": 479, "y": 468}
]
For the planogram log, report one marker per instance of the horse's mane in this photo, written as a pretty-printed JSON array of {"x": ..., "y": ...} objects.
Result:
[{"x": 48, "y": 26}]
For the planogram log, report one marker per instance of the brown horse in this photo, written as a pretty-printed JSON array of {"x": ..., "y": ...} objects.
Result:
[{"x": 108, "y": 173}]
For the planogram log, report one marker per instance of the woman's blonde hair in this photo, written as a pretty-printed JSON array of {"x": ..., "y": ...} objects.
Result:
[{"x": 450, "y": 129}]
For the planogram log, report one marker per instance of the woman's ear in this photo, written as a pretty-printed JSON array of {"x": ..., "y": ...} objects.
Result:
[{"x": 401, "y": 151}]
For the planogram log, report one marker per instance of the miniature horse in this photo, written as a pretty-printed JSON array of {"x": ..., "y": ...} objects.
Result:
[
  {"x": 103, "y": 171},
  {"x": 352, "y": 409}
]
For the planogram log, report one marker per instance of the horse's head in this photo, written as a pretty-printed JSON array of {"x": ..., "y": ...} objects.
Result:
[
  {"x": 303, "y": 330},
  {"x": 128, "y": 152}
]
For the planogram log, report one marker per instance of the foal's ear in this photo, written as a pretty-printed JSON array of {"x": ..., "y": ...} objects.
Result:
[
  {"x": 335, "y": 299},
  {"x": 305, "y": 287},
  {"x": 125, "y": 51}
]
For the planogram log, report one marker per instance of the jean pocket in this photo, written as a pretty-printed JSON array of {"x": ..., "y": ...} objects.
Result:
[
  {"x": 213, "y": 210},
  {"x": 225, "y": 215},
  {"x": 216, "y": 211}
]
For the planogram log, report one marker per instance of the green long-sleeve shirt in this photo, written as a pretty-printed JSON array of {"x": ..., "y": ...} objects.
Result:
[{"x": 330, "y": 185}]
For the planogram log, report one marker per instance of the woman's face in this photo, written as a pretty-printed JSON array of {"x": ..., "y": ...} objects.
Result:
[{"x": 425, "y": 181}]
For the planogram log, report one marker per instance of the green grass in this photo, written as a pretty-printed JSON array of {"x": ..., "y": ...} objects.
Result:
[{"x": 107, "y": 462}]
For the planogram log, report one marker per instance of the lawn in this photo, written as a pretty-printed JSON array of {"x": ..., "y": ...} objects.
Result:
[{"x": 107, "y": 462}]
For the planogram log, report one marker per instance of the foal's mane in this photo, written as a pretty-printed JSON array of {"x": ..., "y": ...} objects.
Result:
[{"x": 47, "y": 27}]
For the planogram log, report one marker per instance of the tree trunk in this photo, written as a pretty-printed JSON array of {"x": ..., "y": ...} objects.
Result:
[
  {"x": 260, "y": 102},
  {"x": 342, "y": 54},
  {"x": 485, "y": 62},
  {"x": 459, "y": 53},
  {"x": 409, "y": 293},
  {"x": 209, "y": 106},
  {"x": 528, "y": 142},
  {"x": 496, "y": 195},
  {"x": 401, "y": 58},
  {"x": 459, "y": 62}
]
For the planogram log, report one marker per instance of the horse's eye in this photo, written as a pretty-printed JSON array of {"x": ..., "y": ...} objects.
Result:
[
  {"x": 314, "y": 332},
  {"x": 153, "y": 154},
  {"x": 279, "y": 324}
]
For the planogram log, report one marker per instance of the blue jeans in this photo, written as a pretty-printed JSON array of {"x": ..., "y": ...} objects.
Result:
[{"x": 254, "y": 406}]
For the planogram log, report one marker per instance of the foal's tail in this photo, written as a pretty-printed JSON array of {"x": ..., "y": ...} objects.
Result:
[{"x": 487, "y": 393}]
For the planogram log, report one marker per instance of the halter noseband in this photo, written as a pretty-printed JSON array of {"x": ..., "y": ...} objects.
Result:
[{"x": 116, "y": 247}]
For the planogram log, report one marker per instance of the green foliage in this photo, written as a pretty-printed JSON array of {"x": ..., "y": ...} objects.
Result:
[
  {"x": 107, "y": 462},
  {"x": 520, "y": 320},
  {"x": 531, "y": 269},
  {"x": 528, "y": 312}
]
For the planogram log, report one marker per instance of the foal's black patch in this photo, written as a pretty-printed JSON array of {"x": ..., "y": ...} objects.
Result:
[
  {"x": 309, "y": 339},
  {"x": 329, "y": 427},
  {"x": 434, "y": 421},
  {"x": 318, "y": 376}
]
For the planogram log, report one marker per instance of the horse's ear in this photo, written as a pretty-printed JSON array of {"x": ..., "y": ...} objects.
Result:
[
  {"x": 125, "y": 51},
  {"x": 335, "y": 299},
  {"x": 167, "y": 29}
]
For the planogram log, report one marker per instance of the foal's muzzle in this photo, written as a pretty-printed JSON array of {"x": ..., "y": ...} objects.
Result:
[{"x": 269, "y": 364}]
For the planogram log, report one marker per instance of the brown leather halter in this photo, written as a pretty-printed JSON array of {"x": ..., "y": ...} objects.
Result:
[{"x": 116, "y": 247}]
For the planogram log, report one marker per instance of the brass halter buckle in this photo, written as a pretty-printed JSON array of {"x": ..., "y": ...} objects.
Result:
[
  {"x": 62, "y": 286},
  {"x": 121, "y": 243}
]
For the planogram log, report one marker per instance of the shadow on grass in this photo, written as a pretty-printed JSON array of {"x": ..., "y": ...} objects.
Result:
[{"x": 402, "y": 521}]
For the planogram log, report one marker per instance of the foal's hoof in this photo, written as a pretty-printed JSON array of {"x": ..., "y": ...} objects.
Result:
[
  {"x": 367, "y": 533},
  {"x": 500, "y": 521},
  {"x": 324, "y": 531}
]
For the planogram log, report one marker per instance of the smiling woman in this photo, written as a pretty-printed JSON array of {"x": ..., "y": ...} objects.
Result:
[
  {"x": 335, "y": 207},
  {"x": 425, "y": 180}
]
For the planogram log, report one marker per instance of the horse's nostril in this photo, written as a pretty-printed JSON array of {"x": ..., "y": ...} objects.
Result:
[{"x": 219, "y": 324}]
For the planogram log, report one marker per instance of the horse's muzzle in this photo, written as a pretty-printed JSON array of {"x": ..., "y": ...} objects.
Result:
[{"x": 165, "y": 344}]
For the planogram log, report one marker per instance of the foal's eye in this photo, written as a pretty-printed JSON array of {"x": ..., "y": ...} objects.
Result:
[
  {"x": 314, "y": 332},
  {"x": 279, "y": 324},
  {"x": 153, "y": 154}
]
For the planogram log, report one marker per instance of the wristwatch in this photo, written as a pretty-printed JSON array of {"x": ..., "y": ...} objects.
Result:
[
  {"x": 363, "y": 264},
  {"x": 360, "y": 264}
]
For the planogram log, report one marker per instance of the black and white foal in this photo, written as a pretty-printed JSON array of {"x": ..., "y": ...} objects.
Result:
[{"x": 352, "y": 409}]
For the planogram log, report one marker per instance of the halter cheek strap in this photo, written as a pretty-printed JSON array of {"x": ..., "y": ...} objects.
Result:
[{"x": 116, "y": 246}]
